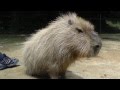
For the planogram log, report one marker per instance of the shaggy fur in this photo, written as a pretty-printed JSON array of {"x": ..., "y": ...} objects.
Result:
[{"x": 51, "y": 50}]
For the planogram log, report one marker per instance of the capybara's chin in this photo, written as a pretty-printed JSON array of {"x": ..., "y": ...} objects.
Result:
[{"x": 51, "y": 50}]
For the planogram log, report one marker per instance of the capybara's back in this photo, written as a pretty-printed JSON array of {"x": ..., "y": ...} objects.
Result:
[{"x": 51, "y": 50}]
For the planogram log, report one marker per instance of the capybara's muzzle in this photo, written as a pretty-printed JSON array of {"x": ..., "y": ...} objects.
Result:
[{"x": 97, "y": 48}]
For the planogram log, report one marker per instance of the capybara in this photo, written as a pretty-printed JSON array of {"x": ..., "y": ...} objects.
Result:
[{"x": 51, "y": 50}]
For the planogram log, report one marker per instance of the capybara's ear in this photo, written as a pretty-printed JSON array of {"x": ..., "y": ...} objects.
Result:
[{"x": 70, "y": 22}]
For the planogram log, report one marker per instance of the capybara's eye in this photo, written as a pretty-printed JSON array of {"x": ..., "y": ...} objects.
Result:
[{"x": 79, "y": 30}]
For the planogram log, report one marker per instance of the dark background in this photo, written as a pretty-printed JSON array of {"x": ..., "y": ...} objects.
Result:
[{"x": 27, "y": 22}]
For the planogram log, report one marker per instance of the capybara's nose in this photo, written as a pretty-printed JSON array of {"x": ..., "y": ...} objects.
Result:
[{"x": 97, "y": 47}]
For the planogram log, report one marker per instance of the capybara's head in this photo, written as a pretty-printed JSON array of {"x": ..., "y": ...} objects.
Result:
[{"x": 79, "y": 34}]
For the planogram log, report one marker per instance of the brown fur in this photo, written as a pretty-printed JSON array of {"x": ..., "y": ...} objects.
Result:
[{"x": 51, "y": 50}]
